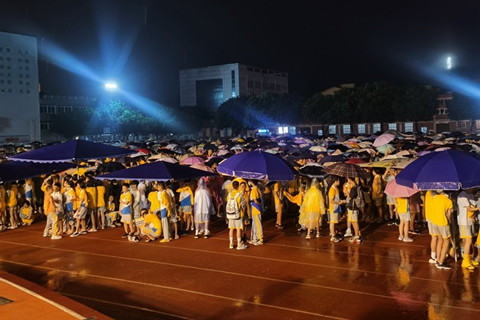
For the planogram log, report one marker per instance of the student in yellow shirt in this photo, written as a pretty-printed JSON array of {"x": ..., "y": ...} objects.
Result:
[
  {"x": 101, "y": 207},
  {"x": 334, "y": 208},
  {"x": 442, "y": 208},
  {"x": 256, "y": 209},
  {"x": 3, "y": 208},
  {"x": 81, "y": 213},
  {"x": 126, "y": 212},
  {"x": 69, "y": 195},
  {"x": 12, "y": 202},
  {"x": 26, "y": 213},
  {"x": 185, "y": 207},
  {"x": 278, "y": 200},
  {"x": 91, "y": 191},
  {"x": 165, "y": 210},
  {"x": 111, "y": 214},
  {"x": 152, "y": 227},
  {"x": 403, "y": 211},
  {"x": 427, "y": 207}
]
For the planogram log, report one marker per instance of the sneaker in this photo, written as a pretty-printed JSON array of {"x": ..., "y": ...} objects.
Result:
[
  {"x": 231, "y": 245},
  {"x": 258, "y": 243},
  {"x": 92, "y": 230},
  {"x": 390, "y": 223},
  {"x": 177, "y": 237},
  {"x": 431, "y": 260},
  {"x": 164, "y": 240},
  {"x": 400, "y": 238},
  {"x": 334, "y": 239},
  {"x": 414, "y": 231},
  {"x": 83, "y": 232},
  {"x": 196, "y": 236},
  {"x": 443, "y": 266},
  {"x": 355, "y": 240},
  {"x": 301, "y": 229},
  {"x": 278, "y": 226},
  {"x": 407, "y": 239},
  {"x": 75, "y": 234},
  {"x": 396, "y": 222},
  {"x": 317, "y": 235},
  {"x": 308, "y": 236},
  {"x": 241, "y": 246},
  {"x": 56, "y": 237},
  {"x": 348, "y": 233},
  {"x": 134, "y": 239},
  {"x": 45, "y": 235}
]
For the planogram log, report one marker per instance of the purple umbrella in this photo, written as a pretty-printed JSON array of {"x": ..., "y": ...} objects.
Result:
[
  {"x": 12, "y": 171},
  {"x": 445, "y": 170},
  {"x": 72, "y": 150},
  {"x": 257, "y": 165},
  {"x": 157, "y": 171}
]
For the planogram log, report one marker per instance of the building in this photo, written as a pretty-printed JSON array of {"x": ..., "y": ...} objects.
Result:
[
  {"x": 209, "y": 87},
  {"x": 51, "y": 105},
  {"x": 19, "y": 102}
]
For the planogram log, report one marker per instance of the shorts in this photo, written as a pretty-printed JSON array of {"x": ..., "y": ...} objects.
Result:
[
  {"x": 378, "y": 202},
  {"x": 352, "y": 215},
  {"x": 235, "y": 224},
  {"x": 60, "y": 215},
  {"x": 91, "y": 211},
  {"x": 102, "y": 209},
  {"x": 81, "y": 213},
  {"x": 126, "y": 218},
  {"x": 173, "y": 218},
  {"x": 186, "y": 209},
  {"x": 333, "y": 217},
  {"x": 443, "y": 231},
  {"x": 407, "y": 216},
  {"x": 465, "y": 231}
]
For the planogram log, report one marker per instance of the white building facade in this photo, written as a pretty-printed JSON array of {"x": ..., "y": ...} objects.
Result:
[
  {"x": 19, "y": 100},
  {"x": 211, "y": 86}
]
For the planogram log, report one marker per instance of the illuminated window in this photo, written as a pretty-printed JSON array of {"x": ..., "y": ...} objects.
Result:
[
  {"x": 332, "y": 129},
  {"x": 320, "y": 132},
  {"x": 424, "y": 129},
  {"x": 346, "y": 129},
  {"x": 377, "y": 127},
  {"x": 361, "y": 129},
  {"x": 408, "y": 126},
  {"x": 392, "y": 126}
]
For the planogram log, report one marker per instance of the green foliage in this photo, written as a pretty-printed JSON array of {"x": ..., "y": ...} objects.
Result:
[{"x": 372, "y": 102}]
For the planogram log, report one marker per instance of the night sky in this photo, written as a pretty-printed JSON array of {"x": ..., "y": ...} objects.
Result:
[{"x": 319, "y": 43}]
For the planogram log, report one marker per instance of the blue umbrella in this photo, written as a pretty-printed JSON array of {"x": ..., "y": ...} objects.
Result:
[
  {"x": 12, "y": 171},
  {"x": 72, "y": 150},
  {"x": 157, "y": 171},
  {"x": 445, "y": 170},
  {"x": 257, "y": 165}
]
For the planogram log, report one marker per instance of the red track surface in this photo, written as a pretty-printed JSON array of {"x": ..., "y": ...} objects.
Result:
[{"x": 286, "y": 278}]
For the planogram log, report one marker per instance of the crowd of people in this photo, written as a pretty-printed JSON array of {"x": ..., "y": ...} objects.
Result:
[{"x": 74, "y": 205}]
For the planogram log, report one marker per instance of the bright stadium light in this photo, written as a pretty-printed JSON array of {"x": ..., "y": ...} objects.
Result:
[
  {"x": 111, "y": 85},
  {"x": 449, "y": 63}
]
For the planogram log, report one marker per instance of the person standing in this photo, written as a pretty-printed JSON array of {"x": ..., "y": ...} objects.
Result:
[
  {"x": 334, "y": 208},
  {"x": 165, "y": 210},
  {"x": 203, "y": 208},
  {"x": 377, "y": 194},
  {"x": 312, "y": 208},
  {"x": 465, "y": 218},
  {"x": 125, "y": 209},
  {"x": 278, "y": 200},
  {"x": 234, "y": 215},
  {"x": 256, "y": 209},
  {"x": 442, "y": 208}
]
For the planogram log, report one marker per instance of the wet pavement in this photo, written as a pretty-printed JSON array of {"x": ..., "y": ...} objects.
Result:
[{"x": 286, "y": 278}]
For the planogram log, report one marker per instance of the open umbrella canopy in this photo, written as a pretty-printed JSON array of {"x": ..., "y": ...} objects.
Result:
[
  {"x": 346, "y": 170},
  {"x": 192, "y": 160},
  {"x": 313, "y": 170},
  {"x": 395, "y": 190},
  {"x": 12, "y": 171},
  {"x": 383, "y": 139},
  {"x": 445, "y": 170},
  {"x": 72, "y": 150},
  {"x": 257, "y": 165},
  {"x": 157, "y": 171}
]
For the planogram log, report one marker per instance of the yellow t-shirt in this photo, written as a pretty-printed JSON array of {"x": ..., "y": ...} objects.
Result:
[
  {"x": 333, "y": 195},
  {"x": 377, "y": 187},
  {"x": 402, "y": 205},
  {"x": 155, "y": 222},
  {"x": 82, "y": 198},
  {"x": 12, "y": 200},
  {"x": 428, "y": 204},
  {"x": 440, "y": 204},
  {"x": 100, "y": 196},
  {"x": 3, "y": 203},
  {"x": 92, "y": 197},
  {"x": 154, "y": 203}
]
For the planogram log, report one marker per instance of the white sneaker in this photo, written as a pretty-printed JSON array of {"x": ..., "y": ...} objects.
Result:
[
  {"x": 241, "y": 246},
  {"x": 431, "y": 260},
  {"x": 56, "y": 237},
  {"x": 400, "y": 238},
  {"x": 407, "y": 239},
  {"x": 348, "y": 233},
  {"x": 231, "y": 245}
]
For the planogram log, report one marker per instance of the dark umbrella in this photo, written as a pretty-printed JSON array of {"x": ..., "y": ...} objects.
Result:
[
  {"x": 12, "y": 171},
  {"x": 257, "y": 165},
  {"x": 346, "y": 170},
  {"x": 157, "y": 171},
  {"x": 336, "y": 158},
  {"x": 110, "y": 167},
  {"x": 444, "y": 170},
  {"x": 313, "y": 170},
  {"x": 72, "y": 150}
]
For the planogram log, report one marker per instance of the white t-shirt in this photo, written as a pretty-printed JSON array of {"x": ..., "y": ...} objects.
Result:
[{"x": 464, "y": 201}]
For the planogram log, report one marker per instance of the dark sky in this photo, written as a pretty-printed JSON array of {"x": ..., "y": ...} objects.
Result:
[{"x": 320, "y": 43}]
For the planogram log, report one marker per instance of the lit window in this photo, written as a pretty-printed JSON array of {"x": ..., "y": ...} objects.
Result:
[
  {"x": 320, "y": 132},
  {"x": 361, "y": 128},
  {"x": 332, "y": 129},
  {"x": 424, "y": 129},
  {"x": 377, "y": 127},
  {"x": 408, "y": 126},
  {"x": 346, "y": 129},
  {"x": 392, "y": 126}
]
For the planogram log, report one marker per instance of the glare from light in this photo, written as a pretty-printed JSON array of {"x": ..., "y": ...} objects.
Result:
[
  {"x": 111, "y": 85},
  {"x": 449, "y": 63}
]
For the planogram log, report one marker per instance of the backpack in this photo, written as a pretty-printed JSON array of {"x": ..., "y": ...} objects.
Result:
[
  {"x": 232, "y": 209},
  {"x": 356, "y": 198}
]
